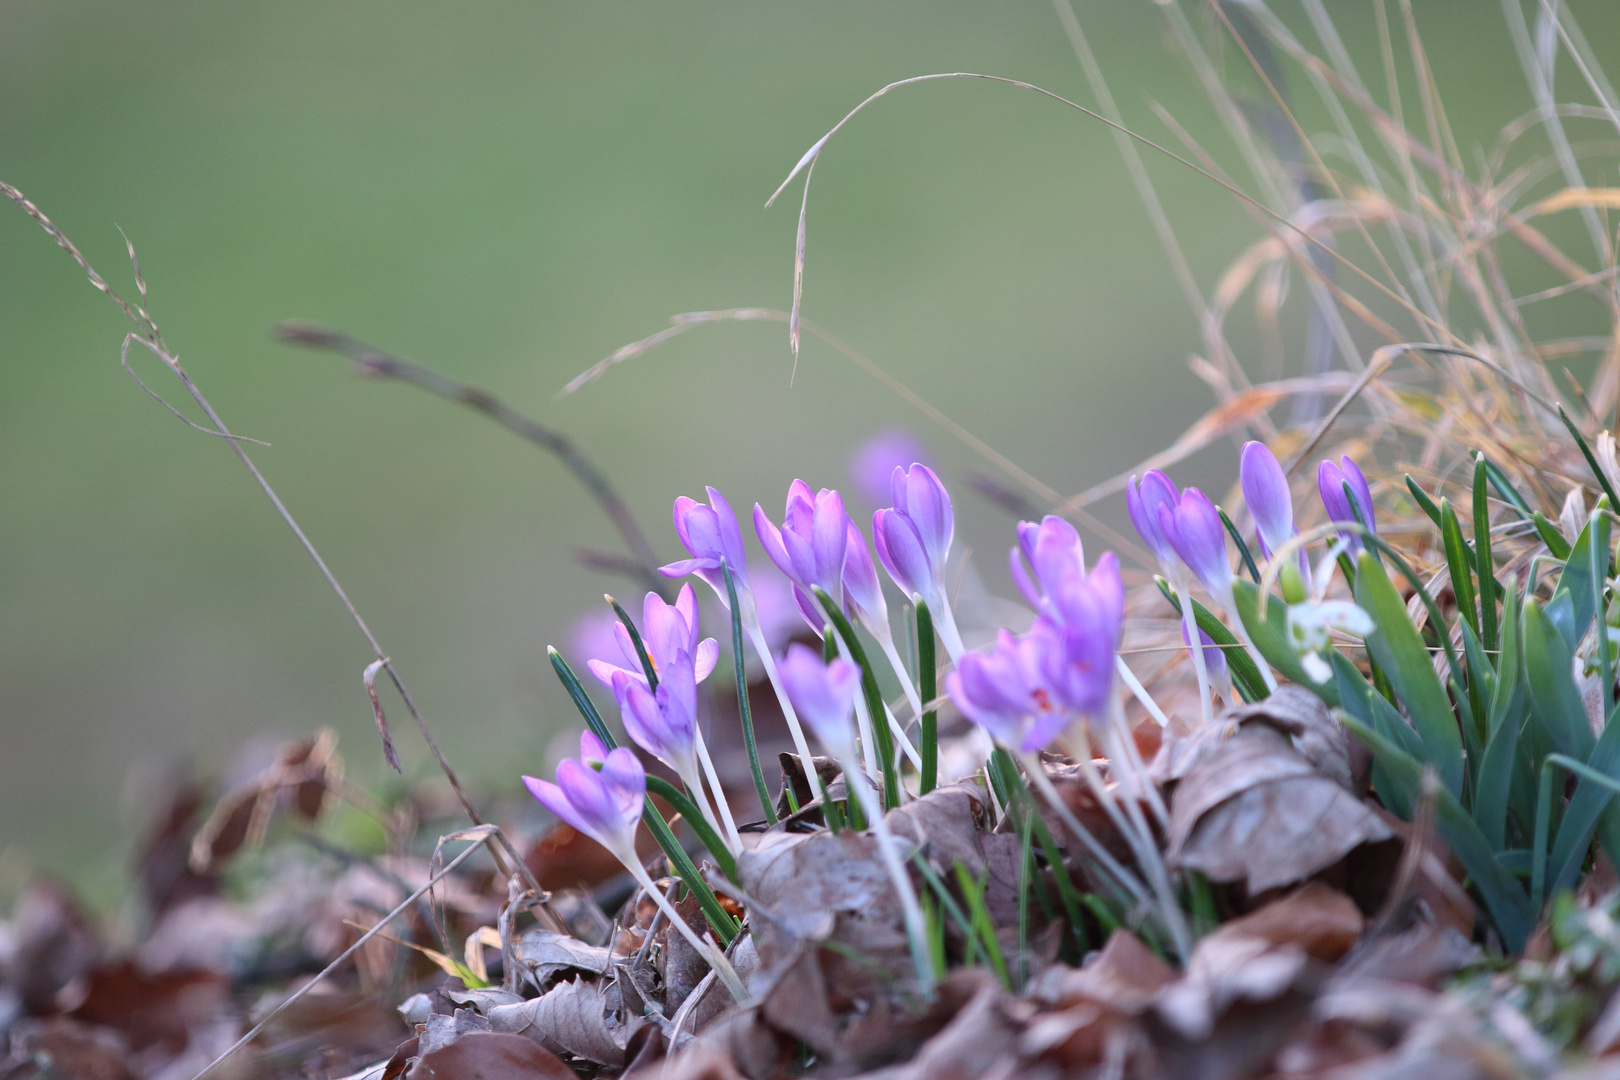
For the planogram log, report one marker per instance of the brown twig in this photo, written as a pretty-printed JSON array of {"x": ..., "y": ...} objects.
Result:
[{"x": 378, "y": 364}]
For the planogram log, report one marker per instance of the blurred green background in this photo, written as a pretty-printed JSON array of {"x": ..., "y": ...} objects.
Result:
[{"x": 508, "y": 192}]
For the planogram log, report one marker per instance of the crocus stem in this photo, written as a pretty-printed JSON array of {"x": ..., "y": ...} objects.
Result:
[
  {"x": 1043, "y": 786},
  {"x": 757, "y": 636},
  {"x": 707, "y": 949},
  {"x": 904, "y": 743},
  {"x": 1184, "y": 590},
  {"x": 869, "y": 691},
  {"x": 886, "y": 643},
  {"x": 928, "y": 772},
  {"x": 889, "y": 852},
  {"x": 1140, "y": 838},
  {"x": 948, "y": 633},
  {"x": 744, "y": 711},
  {"x": 1230, "y": 605},
  {"x": 1138, "y": 691},
  {"x": 719, "y": 793},
  {"x": 1120, "y": 745},
  {"x": 692, "y": 780}
]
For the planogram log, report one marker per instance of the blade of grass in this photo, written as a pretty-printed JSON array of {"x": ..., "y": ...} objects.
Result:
[
  {"x": 1484, "y": 564},
  {"x": 927, "y": 689},
  {"x": 744, "y": 711}
]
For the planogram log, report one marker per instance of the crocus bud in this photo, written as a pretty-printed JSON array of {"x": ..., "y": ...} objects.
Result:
[
  {"x": 862, "y": 588},
  {"x": 1055, "y": 554},
  {"x": 900, "y": 550},
  {"x": 920, "y": 496},
  {"x": 1144, "y": 501},
  {"x": 1198, "y": 538},
  {"x": 823, "y": 694},
  {"x": 810, "y": 546},
  {"x": 709, "y": 534},
  {"x": 605, "y": 804},
  {"x": 1265, "y": 492},
  {"x": 991, "y": 689},
  {"x": 1331, "y": 480}
]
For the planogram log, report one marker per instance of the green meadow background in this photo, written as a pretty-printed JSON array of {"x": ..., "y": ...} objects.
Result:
[{"x": 508, "y": 191}]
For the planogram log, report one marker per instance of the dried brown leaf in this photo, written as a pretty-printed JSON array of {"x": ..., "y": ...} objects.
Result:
[
  {"x": 490, "y": 1055},
  {"x": 544, "y": 957},
  {"x": 575, "y": 1018}
]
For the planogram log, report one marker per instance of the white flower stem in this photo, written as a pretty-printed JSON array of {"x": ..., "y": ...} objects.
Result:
[
  {"x": 889, "y": 851},
  {"x": 945, "y": 625},
  {"x": 1195, "y": 645},
  {"x": 705, "y": 947},
  {"x": 732, "y": 837},
  {"x": 886, "y": 643},
  {"x": 1043, "y": 786},
  {"x": 757, "y": 636},
  {"x": 1140, "y": 692},
  {"x": 1127, "y": 759}
]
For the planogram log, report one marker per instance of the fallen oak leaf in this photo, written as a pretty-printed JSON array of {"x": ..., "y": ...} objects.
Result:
[{"x": 490, "y": 1055}]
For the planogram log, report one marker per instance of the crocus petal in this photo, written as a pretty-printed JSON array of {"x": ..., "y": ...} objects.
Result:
[
  {"x": 808, "y": 608},
  {"x": 823, "y": 694},
  {"x": 1196, "y": 534},
  {"x": 1144, "y": 502},
  {"x": 1358, "y": 487},
  {"x": 770, "y": 538},
  {"x": 829, "y": 541},
  {"x": 919, "y": 494},
  {"x": 900, "y": 549},
  {"x": 686, "y": 605},
  {"x": 605, "y": 673},
  {"x": 707, "y": 655},
  {"x": 626, "y": 781},
  {"x": 591, "y": 749},
  {"x": 552, "y": 798},
  {"x": 1265, "y": 492},
  {"x": 1057, "y": 554},
  {"x": 596, "y": 810},
  {"x": 861, "y": 585}
]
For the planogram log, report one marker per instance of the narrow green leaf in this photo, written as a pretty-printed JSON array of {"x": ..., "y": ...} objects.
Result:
[
  {"x": 1589, "y": 803},
  {"x": 927, "y": 690},
  {"x": 1494, "y": 782},
  {"x": 1551, "y": 537},
  {"x": 874, "y": 698},
  {"x": 629, "y": 624},
  {"x": 657, "y": 785},
  {"x": 1484, "y": 565},
  {"x": 1505, "y": 900},
  {"x": 1460, "y": 563},
  {"x": 745, "y": 711},
  {"x": 1425, "y": 503},
  {"x": 1399, "y": 650},
  {"x": 1243, "y": 548},
  {"x": 1505, "y": 489},
  {"x": 1591, "y": 459},
  {"x": 582, "y": 700},
  {"x": 720, "y": 921},
  {"x": 1270, "y": 636},
  {"x": 1550, "y": 680}
]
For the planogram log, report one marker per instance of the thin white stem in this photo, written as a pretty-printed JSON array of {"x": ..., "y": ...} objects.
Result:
[
  {"x": 1043, "y": 785},
  {"x": 692, "y": 780},
  {"x": 1230, "y": 604},
  {"x": 1140, "y": 838},
  {"x": 706, "y": 948},
  {"x": 732, "y": 836},
  {"x": 1196, "y": 647},
  {"x": 886, "y": 643},
  {"x": 889, "y": 852},
  {"x": 863, "y": 718},
  {"x": 1139, "y": 691},
  {"x": 945, "y": 624},
  {"x": 761, "y": 647},
  {"x": 1129, "y": 756},
  {"x": 900, "y": 738}
]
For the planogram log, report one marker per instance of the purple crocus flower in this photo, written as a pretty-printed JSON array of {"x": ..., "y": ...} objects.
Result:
[
  {"x": 605, "y": 805},
  {"x": 709, "y": 533},
  {"x": 1265, "y": 492},
  {"x": 1193, "y": 528},
  {"x": 666, "y": 629},
  {"x": 1330, "y": 481},
  {"x": 1054, "y": 554},
  {"x": 914, "y": 536},
  {"x": 874, "y": 461},
  {"x": 862, "y": 589},
  {"x": 1015, "y": 690},
  {"x": 1144, "y": 502},
  {"x": 811, "y": 545},
  {"x": 823, "y": 694}
]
